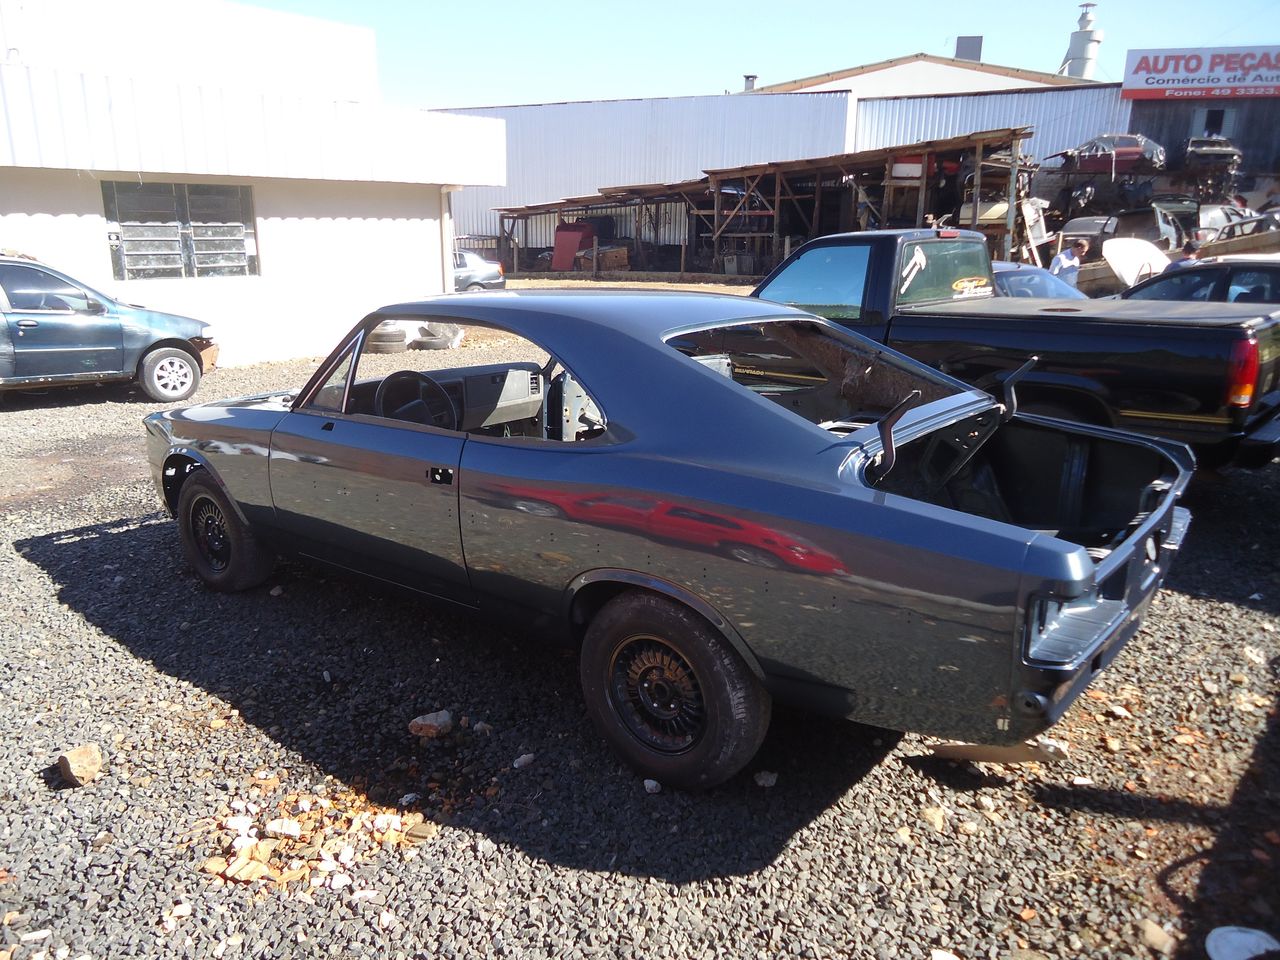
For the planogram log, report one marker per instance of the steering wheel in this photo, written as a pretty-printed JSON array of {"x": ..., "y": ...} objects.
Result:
[{"x": 415, "y": 397}]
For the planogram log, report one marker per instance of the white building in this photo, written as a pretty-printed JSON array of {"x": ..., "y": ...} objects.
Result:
[
  {"x": 230, "y": 193},
  {"x": 559, "y": 150}
]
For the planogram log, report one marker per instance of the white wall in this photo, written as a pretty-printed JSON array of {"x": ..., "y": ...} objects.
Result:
[
  {"x": 57, "y": 118},
  {"x": 329, "y": 252},
  {"x": 200, "y": 42}
]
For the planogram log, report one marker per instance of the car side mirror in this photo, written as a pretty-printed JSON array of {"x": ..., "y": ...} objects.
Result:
[{"x": 94, "y": 306}]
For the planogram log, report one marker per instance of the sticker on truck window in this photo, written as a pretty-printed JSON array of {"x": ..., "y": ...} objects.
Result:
[
  {"x": 970, "y": 286},
  {"x": 912, "y": 268}
]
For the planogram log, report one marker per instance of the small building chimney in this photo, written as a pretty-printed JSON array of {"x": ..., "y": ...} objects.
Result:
[
  {"x": 1082, "y": 52},
  {"x": 748, "y": 82},
  {"x": 969, "y": 48}
]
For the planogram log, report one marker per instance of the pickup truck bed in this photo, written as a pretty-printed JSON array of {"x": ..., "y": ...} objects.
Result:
[{"x": 1202, "y": 374}]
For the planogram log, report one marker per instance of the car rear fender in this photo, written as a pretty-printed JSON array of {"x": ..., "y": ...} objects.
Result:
[
  {"x": 591, "y": 590},
  {"x": 179, "y": 464}
]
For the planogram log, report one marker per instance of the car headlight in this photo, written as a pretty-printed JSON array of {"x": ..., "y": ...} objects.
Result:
[{"x": 209, "y": 332}]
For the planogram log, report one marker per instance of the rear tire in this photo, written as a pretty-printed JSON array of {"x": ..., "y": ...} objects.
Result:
[
  {"x": 169, "y": 375},
  {"x": 473, "y": 287},
  {"x": 221, "y": 549},
  {"x": 669, "y": 693}
]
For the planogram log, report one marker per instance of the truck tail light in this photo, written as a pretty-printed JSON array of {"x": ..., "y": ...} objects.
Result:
[
  {"x": 948, "y": 234},
  {"x": 1242, "y": 373}
]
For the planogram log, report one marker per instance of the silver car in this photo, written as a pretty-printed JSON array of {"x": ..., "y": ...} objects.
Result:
[{"x": 473, "y": 272}]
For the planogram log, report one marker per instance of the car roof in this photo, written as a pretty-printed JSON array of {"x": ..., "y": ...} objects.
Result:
[
  {"x": 635, "y": 314},
  {"x": 1007, "y": 266},
  {"x": 614, "y": 342}
]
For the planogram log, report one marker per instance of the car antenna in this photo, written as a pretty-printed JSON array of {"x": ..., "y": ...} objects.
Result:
[
  {"x": 889, "y": 454},
  {"x": 1010, "y": 389}
]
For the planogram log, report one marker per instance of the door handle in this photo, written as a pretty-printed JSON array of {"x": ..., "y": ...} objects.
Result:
[
  {"x": 28, "y": 323},
  {"x": 442, "y": 475}
]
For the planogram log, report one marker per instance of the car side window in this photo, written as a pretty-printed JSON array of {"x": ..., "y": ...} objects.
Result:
[
  {"x": 32, "y": 289},
  {"x": 1181, "y": 285},
  {"x": 460, "y": 377},
  {"x": 1254, "y": 286}
]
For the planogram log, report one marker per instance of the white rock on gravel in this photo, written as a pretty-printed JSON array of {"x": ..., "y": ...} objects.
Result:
[
  {"x": 432, "y": 725},
  {"x": 523, "y": 761}
]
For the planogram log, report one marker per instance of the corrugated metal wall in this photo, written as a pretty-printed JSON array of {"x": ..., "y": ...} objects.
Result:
[
  {"x": 559, "y": 150},
  {"x": 1062, "y": 117}
]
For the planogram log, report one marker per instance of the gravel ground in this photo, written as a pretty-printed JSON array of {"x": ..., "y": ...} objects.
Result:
[{"x": 293, "y": 700}]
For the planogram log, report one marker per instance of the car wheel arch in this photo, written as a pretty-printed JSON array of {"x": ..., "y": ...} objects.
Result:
[
  {"x": 1084, "y": 408},
  {"x": 590, "y": 591},
  {"x": 177, "y": 343},
  {"x": 184, "y": 463}
]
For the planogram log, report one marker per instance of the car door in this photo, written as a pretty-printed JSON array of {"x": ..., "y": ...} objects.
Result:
[
  {"x": 462, "y": 272},
  {"x": 371, "y": 494},
  {"x": 57, "y": 328}
]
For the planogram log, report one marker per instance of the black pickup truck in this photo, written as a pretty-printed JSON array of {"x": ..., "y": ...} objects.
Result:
[{"x": 1205, "y": 374}]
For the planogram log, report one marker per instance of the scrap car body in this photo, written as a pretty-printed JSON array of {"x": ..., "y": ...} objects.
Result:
[{"x": 697, "y": 488}]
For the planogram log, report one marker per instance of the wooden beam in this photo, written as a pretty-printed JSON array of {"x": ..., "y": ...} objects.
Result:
[
  {"x": 924, "y": 189},
  {"x": 1013, "y": 199},
  {"x": 977, "y": 186}
]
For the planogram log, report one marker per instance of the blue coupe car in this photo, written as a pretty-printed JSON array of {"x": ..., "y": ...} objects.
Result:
[{"x": 721, "y": 501}]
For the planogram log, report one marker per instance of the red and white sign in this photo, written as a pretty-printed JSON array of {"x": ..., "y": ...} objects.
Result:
[{"x": 1192, "y": 74}]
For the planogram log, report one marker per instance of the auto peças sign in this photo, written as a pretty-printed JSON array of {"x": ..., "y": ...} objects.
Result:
[{"x": 1215, "y": 72}]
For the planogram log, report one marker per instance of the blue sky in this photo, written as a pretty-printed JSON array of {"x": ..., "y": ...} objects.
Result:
[{"x": 500, "y": 52}]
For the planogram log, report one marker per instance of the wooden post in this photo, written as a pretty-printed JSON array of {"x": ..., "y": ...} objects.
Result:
[
  {"x": 595, "y": 256},
  {"x": 817, "y": 205},
  {"x": 977, "y": 187},
  {"x": 1011, "y": 217},
  {"x": 684, "y": 245},
  {"x": 924, "y": 188},
  {"x": 515, "y": 253},
  {"x": 777, "y": 219},
  {"x": 715, "y": 226}
]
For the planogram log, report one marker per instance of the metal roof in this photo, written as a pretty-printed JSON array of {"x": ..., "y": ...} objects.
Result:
[
  {"x": 837, "y": 164},
  {"x": 977, "y": 66}
]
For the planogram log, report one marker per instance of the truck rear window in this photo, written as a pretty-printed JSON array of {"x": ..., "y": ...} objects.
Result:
[
  {"x": 932, "y": 270},
  {"x": 828, "y": 281}
]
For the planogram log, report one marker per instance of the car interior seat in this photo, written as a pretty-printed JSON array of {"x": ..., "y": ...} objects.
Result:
[{"x": 1256, "y": 294}]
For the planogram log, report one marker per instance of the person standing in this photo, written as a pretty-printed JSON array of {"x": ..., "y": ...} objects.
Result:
[
  {"x": 1066, "y": 265},
  {"x": 1190, "y": 254}
]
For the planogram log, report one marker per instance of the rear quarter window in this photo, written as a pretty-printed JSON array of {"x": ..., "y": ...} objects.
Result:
[{"x": 828, "y": 281}]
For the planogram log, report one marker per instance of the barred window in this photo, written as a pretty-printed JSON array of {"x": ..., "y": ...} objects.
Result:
[{"x": 180, "y": 230}]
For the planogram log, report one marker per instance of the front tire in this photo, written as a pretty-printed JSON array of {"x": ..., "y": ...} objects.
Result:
[
  {"x": 221, "y": 548},
  {"x": 168, "y": 374},
  {"x": 669, "y": 694}
]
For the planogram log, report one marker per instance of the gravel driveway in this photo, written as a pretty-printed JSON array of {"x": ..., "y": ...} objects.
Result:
[{"x": 291, "y": 702}]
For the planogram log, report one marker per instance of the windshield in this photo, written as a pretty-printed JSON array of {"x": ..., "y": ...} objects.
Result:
[
  {"x": 1034, "y": 282},
  {"x": 932, "y": 270}
]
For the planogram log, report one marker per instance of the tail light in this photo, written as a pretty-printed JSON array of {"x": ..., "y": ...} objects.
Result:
[{"x": 1242, "y": 373}]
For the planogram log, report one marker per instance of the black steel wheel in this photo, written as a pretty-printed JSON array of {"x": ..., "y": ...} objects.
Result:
[
  {"x": 674, "y": 699},
  {"x": 656, "y": 694},
  {"x": 220, "y": 547}
]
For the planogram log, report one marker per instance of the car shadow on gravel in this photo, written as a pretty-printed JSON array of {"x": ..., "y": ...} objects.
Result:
[
  {"x": 1236, "y": 883},
  {"x": 332, "y": 669},
  {"x": 78, "y": 396},
  {"x": 1231, "y": 552}
]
